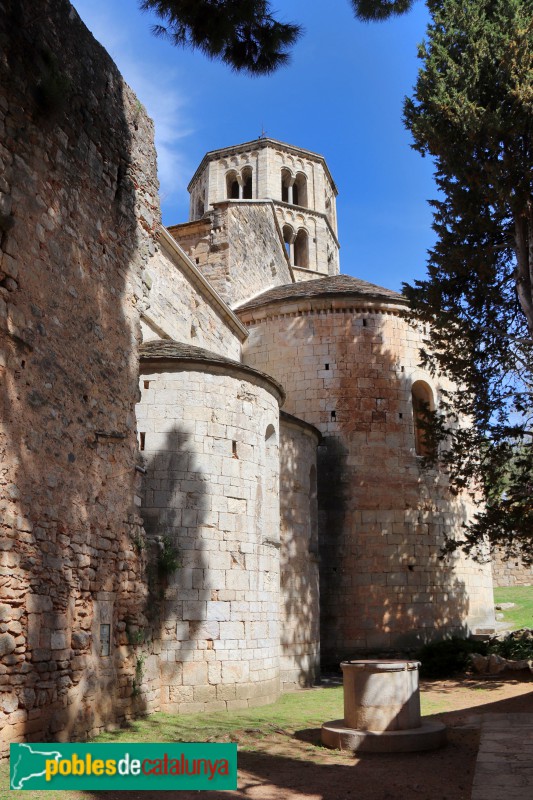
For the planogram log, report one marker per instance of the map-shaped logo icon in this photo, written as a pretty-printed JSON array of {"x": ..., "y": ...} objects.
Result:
[{"x": 30, "y": 762}]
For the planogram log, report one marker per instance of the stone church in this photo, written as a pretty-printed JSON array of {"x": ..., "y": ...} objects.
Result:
[{"x": 213, "y": 474}]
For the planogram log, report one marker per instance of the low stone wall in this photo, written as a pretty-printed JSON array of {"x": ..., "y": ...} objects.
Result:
[{"x": 510, "y": 571}]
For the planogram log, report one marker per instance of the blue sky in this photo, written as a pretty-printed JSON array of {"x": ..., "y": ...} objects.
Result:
[{"x": 340, "y": 96}]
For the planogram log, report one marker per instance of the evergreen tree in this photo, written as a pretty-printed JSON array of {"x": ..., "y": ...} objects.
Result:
[
  {"x": 472, "y": 111},
  {"x": 242, "y": 33}
]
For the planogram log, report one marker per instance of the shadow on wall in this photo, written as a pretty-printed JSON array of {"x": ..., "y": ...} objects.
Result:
[
  {"x": 384, "y": 514},
  {"x": 174, "y": 513},
  {"x": 300, "y": 642},
  {"x": 70, "y": 242}
]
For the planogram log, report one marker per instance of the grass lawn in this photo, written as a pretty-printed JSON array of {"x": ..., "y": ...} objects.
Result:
[
  {"x": 291, "y": 713},
  {"x": 522, "y": 615}
]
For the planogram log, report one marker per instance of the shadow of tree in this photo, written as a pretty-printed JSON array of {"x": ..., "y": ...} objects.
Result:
[
  {"x": 174, "y": 511},
  {"x": 383, "y": 514},
  {"x": 299, "y": 625}
]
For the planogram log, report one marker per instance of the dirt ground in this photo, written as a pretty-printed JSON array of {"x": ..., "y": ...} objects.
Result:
[{"x": 296, "y": 767}]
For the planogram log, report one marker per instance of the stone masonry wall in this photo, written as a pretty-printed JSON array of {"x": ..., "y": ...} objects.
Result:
[
  {"x": 510, "y": 571},
  {"x": 177, "y": 307},
  {"x": 238, "y": 264},
  {"x": 347, "y": 369},
  {"x": 78, "y": 208},
  {"x": 211, "y": 445},
  {"x": 299, "y": 601}
]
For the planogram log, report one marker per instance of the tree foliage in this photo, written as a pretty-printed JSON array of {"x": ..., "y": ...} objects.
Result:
[
  {"x": 242, "y": 33},
  {"x": 377, "y": 10},
  {"x": 472, "y": 111}
]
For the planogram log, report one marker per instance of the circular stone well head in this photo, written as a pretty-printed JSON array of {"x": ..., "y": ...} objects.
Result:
[{"x": 381, "y": 694}]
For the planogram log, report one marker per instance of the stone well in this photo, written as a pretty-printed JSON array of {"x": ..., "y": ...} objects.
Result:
[{"x": 382, "y": 710}]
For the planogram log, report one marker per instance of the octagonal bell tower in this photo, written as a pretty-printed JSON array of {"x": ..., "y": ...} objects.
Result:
[{"x": 298, "y": 183}]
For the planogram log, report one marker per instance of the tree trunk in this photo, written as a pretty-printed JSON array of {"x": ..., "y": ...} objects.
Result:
[{"x": 524, "y": 264}]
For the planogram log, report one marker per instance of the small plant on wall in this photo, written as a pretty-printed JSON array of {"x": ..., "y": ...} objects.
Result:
[
  {"x": 139, "y": 675},
  {"x": 168, "y": 557},
  {"x": 164, "y": 561}
]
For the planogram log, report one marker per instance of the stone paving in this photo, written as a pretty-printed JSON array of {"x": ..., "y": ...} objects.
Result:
[{"x": 504, "y": 766}]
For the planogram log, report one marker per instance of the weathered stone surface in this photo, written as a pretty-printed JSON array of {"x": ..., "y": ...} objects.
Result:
[
  {"x": 341, "y": 356},
  {"x": 8, "y": 702},
  {"x": 7, "y": 644},
  {"x": 78, "y": 181}
]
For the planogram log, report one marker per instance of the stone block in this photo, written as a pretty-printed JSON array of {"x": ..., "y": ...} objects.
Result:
[
  {"x": 36, "y": 603},
  {"x": 182, "y": 631},
  {"x": 194, "y": 673},
  {"x": 58, "y": 640},
  {"x": 181, "y": 694},
  {"x": 235, "y": 671},
  {"x": 195, "y": 610},
  {"x": 9, "y": 702},
  {"x": 226, "y": 692},
  {"x": 217, "y": 610},
  {"x": 204, "y": 694},
  {"x": 171, "y": 673},
  {"x": 7, "y": 644}
]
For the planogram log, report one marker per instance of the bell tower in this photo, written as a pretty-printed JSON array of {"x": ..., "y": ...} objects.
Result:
[{"x": 297, "y": 182}]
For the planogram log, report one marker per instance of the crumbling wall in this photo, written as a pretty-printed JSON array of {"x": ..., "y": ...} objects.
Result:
[{"x": 78, "y": 208}]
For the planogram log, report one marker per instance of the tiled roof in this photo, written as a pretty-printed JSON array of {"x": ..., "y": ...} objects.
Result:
[
  {"x": 324, "y": 287},
  {"x": 169, "y": 350}
]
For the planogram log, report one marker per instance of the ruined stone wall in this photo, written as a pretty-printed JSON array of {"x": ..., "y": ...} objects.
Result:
[
  {"x": 238, "y": 248},
  {"x": 78, "y": 206},
  {"x": 211, "y": 448},
  {"x": 348, "y": 369},
  {"x": 179, "y": 306},
  {"x": 299, "y": 601},
  {"x": 510, "y": 571}
]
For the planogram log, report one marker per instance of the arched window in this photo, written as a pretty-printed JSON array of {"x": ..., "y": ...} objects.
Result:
[
  {"x": 247, "y": 187},
  {"x": 270, "y": 435},
  {"x": 423, "y": 405},
  {"x": 288, "y": 239},
  {"x": 232, "y": 186},
  {"x": 301, "y": 249},
  {"x": 200, "y": 208},
  {"x": 299, "y": 190},
  {"x": 286, "y": 183}
]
